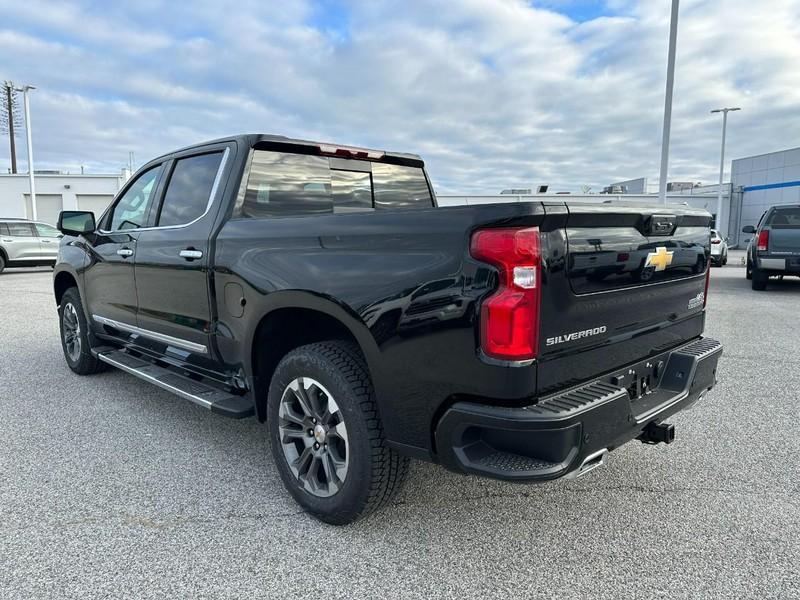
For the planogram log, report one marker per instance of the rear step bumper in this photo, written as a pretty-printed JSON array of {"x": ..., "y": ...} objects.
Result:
[
  {"x": 570, "y": 433},
  {"x": 216, "y": 400}
]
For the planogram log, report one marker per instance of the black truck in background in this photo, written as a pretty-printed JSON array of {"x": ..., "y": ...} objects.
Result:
[
  {"x": 320, "y": 288},
  {"x": 774, "y": 248}
]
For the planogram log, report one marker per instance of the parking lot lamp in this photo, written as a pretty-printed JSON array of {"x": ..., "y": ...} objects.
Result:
[
  {"x": 25, "y": 89},
  {"x": 718, "y": 220},
  {"x": 673, "y": 38}
]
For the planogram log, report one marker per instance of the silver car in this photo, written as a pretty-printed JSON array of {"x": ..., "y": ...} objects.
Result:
[{"x": 26, "y": 243}]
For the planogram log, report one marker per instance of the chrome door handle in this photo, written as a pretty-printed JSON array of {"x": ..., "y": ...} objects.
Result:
[
  {"x": 125, "y": 252},
  {"x": 5, "y": 240},
  {"x": 191, "y": 254},
  {"x": 46, "y": 241}
]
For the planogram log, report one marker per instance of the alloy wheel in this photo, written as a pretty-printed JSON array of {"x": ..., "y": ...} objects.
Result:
[
  {"x": 71, "y": 328},
  {"x": 313, "y": 437}
]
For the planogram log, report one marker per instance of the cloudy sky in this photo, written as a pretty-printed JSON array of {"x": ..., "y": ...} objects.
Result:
[{"x": 492, "y": 93}]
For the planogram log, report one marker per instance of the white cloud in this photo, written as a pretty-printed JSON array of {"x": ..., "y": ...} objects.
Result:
[{"x": 493, "y": 93}]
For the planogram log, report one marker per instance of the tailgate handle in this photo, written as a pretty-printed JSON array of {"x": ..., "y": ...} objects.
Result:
[{"x": 661, "y": 225}]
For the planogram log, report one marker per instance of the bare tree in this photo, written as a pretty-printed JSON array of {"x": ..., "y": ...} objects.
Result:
[{"x": 10, "y": 118}]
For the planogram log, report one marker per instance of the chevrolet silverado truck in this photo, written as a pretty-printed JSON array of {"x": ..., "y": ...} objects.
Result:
[
  {"x": 774, "y": 248},
  {"x": 320, "y": 289}
]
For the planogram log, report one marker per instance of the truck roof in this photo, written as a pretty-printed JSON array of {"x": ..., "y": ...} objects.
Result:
[{"x": 268, "y": 140}]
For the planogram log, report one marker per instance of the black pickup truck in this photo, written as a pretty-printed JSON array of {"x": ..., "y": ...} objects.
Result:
[
  {"x": 774, "y": 248},
  {"x": 321, "y": 289}
]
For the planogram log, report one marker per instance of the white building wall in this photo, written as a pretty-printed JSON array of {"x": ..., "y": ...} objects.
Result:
[{"x": 14, "y": 190}]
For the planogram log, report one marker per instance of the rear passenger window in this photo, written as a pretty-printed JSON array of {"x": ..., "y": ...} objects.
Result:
[
  {"x": 3, "y": 229},
  {"x": 189, "y": 189},
  {"x": 21, "y": 230},
  {"x": 398, "y": 186}
]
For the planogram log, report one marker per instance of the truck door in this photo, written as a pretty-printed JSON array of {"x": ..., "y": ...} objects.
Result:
[
  {"x": 108, "y": 278},
  {"x": 173, "y": 255}
]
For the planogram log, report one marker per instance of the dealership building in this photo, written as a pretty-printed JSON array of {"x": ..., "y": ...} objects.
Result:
[
  {"x": 759, "y": 182},
  {"x": 56, "y": 192}
]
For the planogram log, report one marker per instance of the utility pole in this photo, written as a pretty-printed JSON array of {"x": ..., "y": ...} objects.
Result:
[
  {"x": 26, "y": 103},
  {"x": 10, "y": 119},
  {"x": 724, "y": 111},
  {"x": 673, "y": 38}
]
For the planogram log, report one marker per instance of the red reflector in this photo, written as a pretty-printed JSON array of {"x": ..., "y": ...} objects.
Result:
[
  {"x": 510, "y": 316},
  {"x": 623, "y": 257},
  {"x": 763, "y": 239}
]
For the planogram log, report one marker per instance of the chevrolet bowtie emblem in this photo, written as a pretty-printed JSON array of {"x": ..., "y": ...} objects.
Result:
[{"x": 660, "y": 259}]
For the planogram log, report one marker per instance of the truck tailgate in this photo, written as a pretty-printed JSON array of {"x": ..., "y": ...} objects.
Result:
[
  {"x": 632, "y": 284},
  {"x": 784, "y": 239}
]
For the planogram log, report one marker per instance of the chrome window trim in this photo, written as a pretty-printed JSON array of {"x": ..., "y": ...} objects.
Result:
[
  {"x": 153, "y": 335},
  {"x": 210, "y": 203}
]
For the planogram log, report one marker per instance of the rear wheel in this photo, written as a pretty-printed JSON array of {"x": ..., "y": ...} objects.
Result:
[
  {"x": 759, "y": 281},
  {"x": 2, "y": 262},
  {"x": 748, "y": 274},
  {"x": 75, "y": 335},
  {"x": 326, "y": 435}
]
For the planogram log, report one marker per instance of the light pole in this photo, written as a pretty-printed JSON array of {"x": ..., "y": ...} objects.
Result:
[
  {"x": 25, "y": 89},
  {"x": 724, "y": 111},
  {"x": 673, "y": 38}
]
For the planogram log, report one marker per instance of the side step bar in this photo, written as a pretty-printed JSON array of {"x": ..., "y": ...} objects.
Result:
[{"x": 218, "y": 401}]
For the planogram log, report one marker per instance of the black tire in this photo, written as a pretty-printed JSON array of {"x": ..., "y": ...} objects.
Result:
[
  {"x": 748, "y": 274},
  {"x": 2, "y": 262},
  {"x": 374, "y": 471},
  {"x": 725, "y": 259},
  {"x": 759, "y": 281},
  {"x": 81, "y": 362}
]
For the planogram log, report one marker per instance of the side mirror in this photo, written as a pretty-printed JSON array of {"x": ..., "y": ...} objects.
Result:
[
  {"x": 76, "y": 222},
  {"x": 748, "y": 229},
  {"x": 726, "y": 240}
]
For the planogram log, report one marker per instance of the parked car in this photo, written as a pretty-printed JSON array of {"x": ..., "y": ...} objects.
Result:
[
  {"x": 719, "y": 249},
  {"x": 320, "y": 288},
  {"x": 26, "y": 243},
  {"x": 774, "y": 249}
]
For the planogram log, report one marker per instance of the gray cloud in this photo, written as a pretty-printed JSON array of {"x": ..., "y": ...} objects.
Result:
[{"x": 493, "y": 93}]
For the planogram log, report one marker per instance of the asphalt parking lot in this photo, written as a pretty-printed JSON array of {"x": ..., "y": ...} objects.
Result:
[{"x": 111, "y": 488}]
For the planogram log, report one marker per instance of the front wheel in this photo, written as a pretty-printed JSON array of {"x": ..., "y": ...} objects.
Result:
[
  {"x": 75, "y": 335},
  {"x": 326, "y": 434}
]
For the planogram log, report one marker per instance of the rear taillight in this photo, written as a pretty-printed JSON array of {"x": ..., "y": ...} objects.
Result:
[
  {"x": 510, "y": 316},
  {"x": 763, "y": 239},
  {"x": 716, "y": 241}
]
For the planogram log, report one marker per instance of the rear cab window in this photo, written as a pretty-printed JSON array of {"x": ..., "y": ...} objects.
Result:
[
  {"x": 785, "y": 218},
  {"x": 282, "y": 184}
]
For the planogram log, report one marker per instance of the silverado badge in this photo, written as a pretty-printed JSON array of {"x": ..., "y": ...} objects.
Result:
[{"x": 660, "y": 259}]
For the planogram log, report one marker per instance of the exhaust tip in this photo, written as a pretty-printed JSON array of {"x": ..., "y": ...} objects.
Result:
[{"x": 590, "y": 463}]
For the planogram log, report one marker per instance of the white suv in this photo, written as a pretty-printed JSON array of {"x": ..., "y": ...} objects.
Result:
[
  {"x": 26, "y": 243},
  {"x": 719, "y": 249}
]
